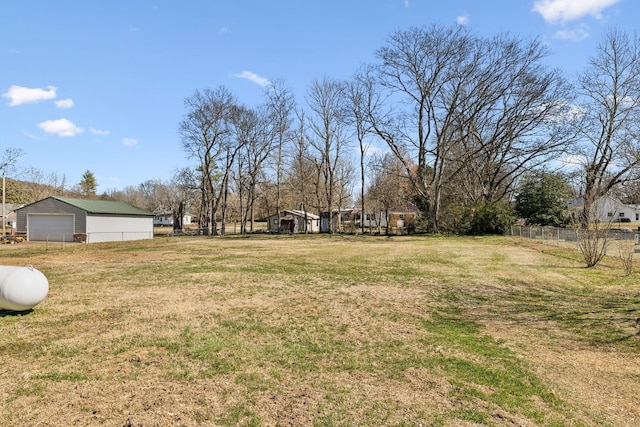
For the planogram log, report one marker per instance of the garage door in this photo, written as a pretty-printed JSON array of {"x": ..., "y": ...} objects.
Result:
[{"x": 52, "y": 228}]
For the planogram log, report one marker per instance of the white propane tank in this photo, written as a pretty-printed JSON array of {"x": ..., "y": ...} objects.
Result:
[{"x": 21, "y": 288}]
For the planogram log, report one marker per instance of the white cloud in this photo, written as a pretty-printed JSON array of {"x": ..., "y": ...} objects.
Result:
[
  {"x": 554, "y": 11},
  {"x": 99, "y": 132},
  {"x": 64, "y": 103},
  {"x": 264, "y": 82},
  {"x": 129, "y": 142},
  {"x": 575, "y": 35},
  {"x": 462, "y": 19},
  {"x": 30, "y": 135},
  {"x": 19, "y": 95},
  {"x": 60, "y": 127},
  {"x": 223, "y": 30}
]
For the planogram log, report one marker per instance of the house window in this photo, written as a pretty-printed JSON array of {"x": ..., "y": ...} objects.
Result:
[
  {"x": 609, "y": 214},
  {"x": 621, "y": 215},
  {"x": 637, "y": 216}
]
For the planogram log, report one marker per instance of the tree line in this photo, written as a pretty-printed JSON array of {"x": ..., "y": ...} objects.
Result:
[
  {"x": 464, "y": 120},
  {"x": 443, "y": 119}
]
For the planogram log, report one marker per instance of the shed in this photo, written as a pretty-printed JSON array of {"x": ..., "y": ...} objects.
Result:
[
  {"x": 294, "y": 221},
  {"x": 62, "y": 219}
]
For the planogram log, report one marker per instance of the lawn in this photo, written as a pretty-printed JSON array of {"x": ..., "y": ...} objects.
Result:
[{"x": 322, "y": 331}]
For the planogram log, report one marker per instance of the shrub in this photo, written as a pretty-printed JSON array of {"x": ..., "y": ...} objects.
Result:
[{"x": 491, "y": 218}]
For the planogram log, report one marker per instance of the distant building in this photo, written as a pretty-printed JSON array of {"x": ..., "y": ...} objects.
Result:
[
  {"x": 294, "y": 221},
  {"x": 396, "y": 220},
  {"x": 10, "y": 216},
  {"x": 165, "y": 219},
  {"x": 608, "y": 209}
]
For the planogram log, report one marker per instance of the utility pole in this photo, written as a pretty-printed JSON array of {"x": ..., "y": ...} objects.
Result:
[{"x": 4, "y": 220}]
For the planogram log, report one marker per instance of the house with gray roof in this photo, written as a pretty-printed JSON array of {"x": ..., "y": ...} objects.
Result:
[{"x": 62, "y": 219}]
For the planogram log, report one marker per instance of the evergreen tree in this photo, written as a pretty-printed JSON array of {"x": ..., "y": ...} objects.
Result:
[
  {"x": 540, "y": 199},
  {"x": 88, "y": 185}
]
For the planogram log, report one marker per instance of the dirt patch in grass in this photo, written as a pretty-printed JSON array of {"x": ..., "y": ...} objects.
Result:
[{"x": 316, "y": 330}]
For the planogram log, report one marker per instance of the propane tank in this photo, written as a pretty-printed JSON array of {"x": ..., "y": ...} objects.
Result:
[{"x": 21, "y": 288}]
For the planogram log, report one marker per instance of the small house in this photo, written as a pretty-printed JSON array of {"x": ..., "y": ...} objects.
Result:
[
  {"x": 10, "y": 216},
  {"x": 165, "y": 218},
  {"x": 607, "y": 209}
]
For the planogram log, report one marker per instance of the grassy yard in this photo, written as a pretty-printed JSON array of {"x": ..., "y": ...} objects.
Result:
[{"x": 322, "y": 331}]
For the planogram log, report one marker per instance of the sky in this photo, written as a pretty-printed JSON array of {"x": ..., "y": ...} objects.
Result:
[{"x": 100, "y": 85}]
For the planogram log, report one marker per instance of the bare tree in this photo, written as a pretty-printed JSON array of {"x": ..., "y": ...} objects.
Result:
[
  {"x": 413, "y": 69},
  {"x": 153, "y": 195},
  {"x": 463, "y": 106},
  {"x": 223, "y": 196},
  {"x": 362, "y": 99},
  {"x": 512, "y": 118},
  {"x": 185, "y": 182},
  {"x": 327, "y": 126},
  {"x": 129, "y": 194},
  {"x": 40, "y": 184},
  {"x": 610, "y": 90},
  {"x": 626, "y": 249},
  {"x": 9, "y": 158},
  {"x": 207, "y": 136},
  {"x": 594, "y": 240},
  {"x": 280, "y": 106},
  {"x": 344, "y": 175},
  {"x": 256, "y": 143},
  {"x": 300, "y": 175},
  {"x": 388, "y": 188}
]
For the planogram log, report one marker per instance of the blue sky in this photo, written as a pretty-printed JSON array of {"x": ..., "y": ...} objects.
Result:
[{"x": 100, "y": 85}]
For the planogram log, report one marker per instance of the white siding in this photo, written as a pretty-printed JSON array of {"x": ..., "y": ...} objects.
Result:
[
  {"x": 118, "y": 228},
  {"x": 612, "y": 210}
]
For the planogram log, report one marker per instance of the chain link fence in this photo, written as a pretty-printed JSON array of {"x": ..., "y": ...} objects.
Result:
[{"x": 564, "y": 235}]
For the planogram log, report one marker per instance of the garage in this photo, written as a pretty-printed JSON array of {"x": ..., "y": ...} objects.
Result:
[
  {"x": 64, "y": 219},
  {"x": 51, "y": 228}
]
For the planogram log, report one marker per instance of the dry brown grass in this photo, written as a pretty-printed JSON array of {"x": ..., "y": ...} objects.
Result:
[{"x": 315, "y": 330}]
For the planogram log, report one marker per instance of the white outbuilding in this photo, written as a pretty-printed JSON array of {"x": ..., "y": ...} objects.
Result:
[
  {"x": 294, "y": 221},
  {"x": 62, "y": 219}
]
